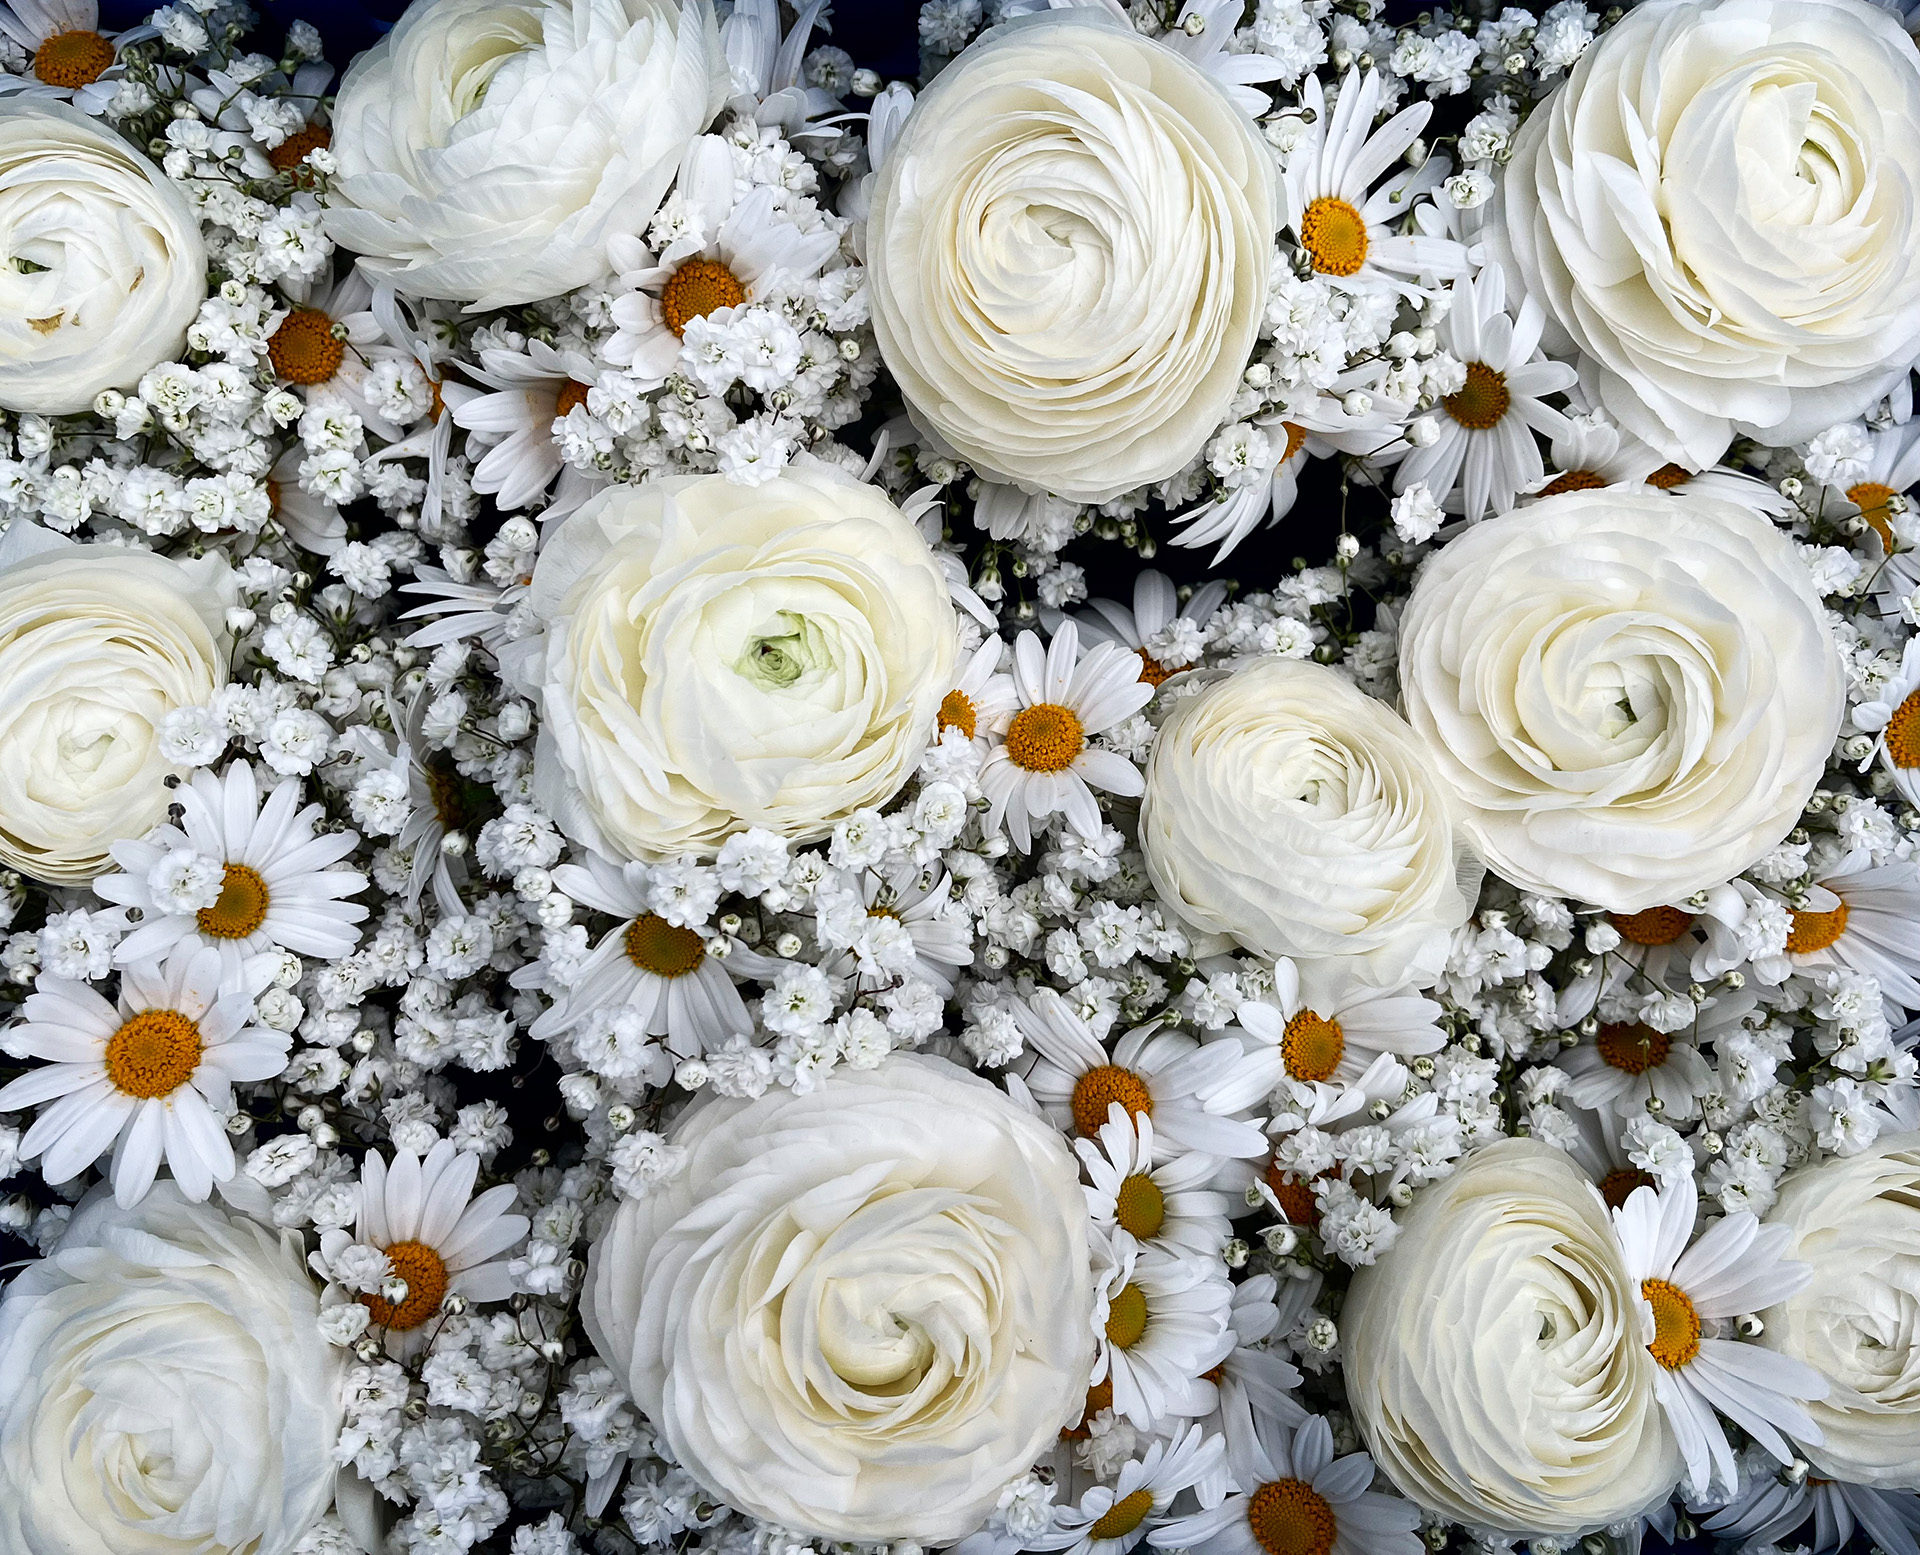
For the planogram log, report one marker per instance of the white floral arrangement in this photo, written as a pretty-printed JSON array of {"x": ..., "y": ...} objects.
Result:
[{"x": 601, "y": 948}]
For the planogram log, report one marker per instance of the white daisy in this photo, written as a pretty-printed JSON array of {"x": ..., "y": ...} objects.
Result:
[
  {"x": 1250, "y": 1384},
  {"x": 1890, "y": 469},
  {"x": 440, "y": 1240},
  {"x": 1771, "y": 1506},
  {"x": 1737, "y": 1266},
  {"x": 1591, "y": 450},
  {"x": 982, "y": 701},
  {"x": 1213, "y": 23},
  {"x": 1167, "y": 1206},
  {"x": 1667, "y": 948},
  {"x": 1189, "y": 1091},
  {"x": 1158, "y": 1321},
  {"x": 1112, "y": 1519},
  {"x": 427, "y": 332},
  {"x": 1486, "y": 455},
  {"x": 934, "y": 941},
  {"x": 279, "y": 881},
  {"x": 1157, "y": 620},
  {"x": 1626, "y": 1062},
  {"x": 153, "y": 1077},
  {"x": 327, "y": 344},
  {"x": 1864, "y": 917},
  {"x": 531, "y": 390},
  {"x": 1045, "y": 764},
  {"x": 1322, "y": 1027},
  {"x": 305, "y": 518},
  {"x": 69, "y": 58},
  {"x": 1301, "y": 1500},
  {"x": 682, "y": 993},
  {"x": 1893, "y": 719}
]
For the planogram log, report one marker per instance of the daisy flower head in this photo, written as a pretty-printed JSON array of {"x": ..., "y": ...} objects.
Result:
[
  {"x": 326, "y": 345},
  {"x": 239, "y": 875},
  {"x": 1046, "y": 764},
  {"x": 531, "y": 390},
  {"x": 907, "y": 928},
  {"x": 151, "y": 1076},
  {"x": 1863, "y": 917},
  {"x": 1486, "y": 453},
  {"x": 1167, "y": 1206},
  {"x": 1737, "y": 1266},
  {"x": 1112, "y": 1519},
  {"x": 982, "y": 701},
  {"x": 69, "y": 58},
  {"x": 1156, "y": 620},
  {"x": 1627, "y": 1062},
  {"x": 439, "y": 1239},
  {"x": 1158, "y": 1322},
  {"x": 1190, "y": 1091},
  {"x": 1887, "y": 465},
  {"x": 1298, "y": 1499},
  {"x": 1769, "y": 1507},
  {"x": 1321, "y": 1026},
  {"x": 1893, "y": 719}
]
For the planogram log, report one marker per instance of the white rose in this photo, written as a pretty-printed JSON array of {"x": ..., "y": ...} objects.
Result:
[
  {"x": 488, "y": 149},
  {"x": 1634, "y": 691},
  {"x": 1493, "y": 1355},
  {"x": 164, "y": 1387},
  {"x": 719, "y": 657},
  {"x": 1068, "y": 255},
  {"x": 106, "y": 268},
  {"x": 861, "y": 1312},
  {"x": 98, "y": 644},
  {"x": 1296, "y": 814},
  {"x": 1856, "y": 1220},
  {"x": 1719, "y": 207}
]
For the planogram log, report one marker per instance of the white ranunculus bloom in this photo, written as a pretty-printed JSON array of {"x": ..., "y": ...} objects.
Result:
[
  {"x": 1856, "y": 1220},
  {"x": 1494, "y": 1360},
  {"x": 107, "y": 268},
  {"x": 164, "y": 1387},
  {"x": 718, "y": 657},
  {"x": 1296, "y": 814},
  {"x": 1068, "y": 254},
  {"x": 860, "y": 1312},
  {"x": 1633, "y": 691},
  {"x": 1719, "y": 209},
  {"x": 98, "y": 643},
  {"x": 488, "y": 149}
]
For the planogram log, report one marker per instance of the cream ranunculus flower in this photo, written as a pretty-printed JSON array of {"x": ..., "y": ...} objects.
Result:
[
  {"x": 98, "y": 643},
  {"x": 1719, "y": 209},
  {"x": 107, "y": 266},
  {"x": 718, "y": 657},
  {"x": 1494, "y": 1361},
  {"x": 1068, "y": 253},
  {"x": 1856, "y": 1220},
  {"x": 488, "y": 149},
  {"x": 1633, "y": 691},
  {"x": 1296, "y": 814},
  {"x": 859, "y": 1312},
  {"x": 164, "y": 1387}
]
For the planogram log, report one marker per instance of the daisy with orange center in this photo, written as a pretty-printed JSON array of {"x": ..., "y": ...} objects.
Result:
[
  {"x": 531, "y": 389},
  {"x": 1112, "y": 1519},
  {"x": 1627, "y": 1062},
  {"x": 1159, "y": 1321},
  {"x": 982, "y": 700},
  {"x": 1321, "y": 1029},
  {"x": 1687, "y": 1295},
  {"x": 152, "y": 1079},
  {"x": 69, "y": 57},
  {"x": 1892, "y": 717},
  {"x": 1863, "y": 917},
  {"x": 1163, "y": 634}
]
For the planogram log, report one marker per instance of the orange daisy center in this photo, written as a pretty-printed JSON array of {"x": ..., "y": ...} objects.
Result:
[
  {"x": 1290, "y": 1517},
  {"x": 73, "y": 59},
  {"x": 1655, "y": 926},
  {"x": 153, "y": 1053},
  {"x": 425, "y": 1272},
  {"x": 294, "y": 150},
  {"x": 958, "y": 712},
  {"x": 242, "y": 906},
  {"x": 1676, "y": 1326},
  {"x": 1296, "y": 439},
  {"x": 1481, "y": 401},
  {"x": 1871, "y": 498},
  {"x": 1619, "y": 1184},
  {"x": 303, "y": 349},
  {"x": 1127, "y": 1316},
  {"x": 664, "y": 949},
  {"x": 1573, "y": 480},
  {"x": 1045, "y": 738},
  {"x": 1152, "y": 671},
  {"x": 1633, "y": 1047},
  {"x": 1312, "y": 1046},
  {"x": 697, "y": 288},
  {"x": 1668, "y": 476},
  {"x": 1099, "y": 1088},
  {"x": 1140, "y": 1208},
  {"x": 573, "y": 392},
  {"x": 1813, "y": 931},
  {"x": 1334, "y": 233},
  {"x": 1295, "y": 1197},
  {"x": 1903, "y": 733},
  {"x": 1099, "y": 1397}
]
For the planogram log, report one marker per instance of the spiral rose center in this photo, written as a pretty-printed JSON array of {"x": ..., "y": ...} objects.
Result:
[
  {"x": 1481, "y": 401},
  {"x": 662, "y": 948},
  {"x": 1655, "y": 926},
  {"x": 1152, "y": 671},
  {"x": 73, "y": 59},
  {"x": 573, "y": 392},
  {"x": 1676, "y": 1326},
  {"x": 1140, "y": 1208},
  {"x": 1903, "y": 733},
  {"x": 1127, "y": 1316},
  {"x": 241, "y": 908},
  {"x": 425, "y": 1272},
  {"x": 1290, "y": 1517},
  {"x": 1619, "y": 1184},
  {"x": 1573, "y": 480},
  {"x": 1871, "y": 498},
  {"x": 1312, "y": 1047},
  {"x": 153, "y": 1053},
  {"x": 1633, "y": 1047},
  {"x": 1670, "y": 476},
  {"x": 697, "y": 288},
  {"x": 303, "y": 349},
  {"x": 1099, "y": 1088},
  {"x": 1125, "y": 1515},
  {"x": 1335, "y": 234},
  {"x": 958, "y": 712},
  {"x": 1045, "y": 738},
  {"x": 1813, "y": 931}
]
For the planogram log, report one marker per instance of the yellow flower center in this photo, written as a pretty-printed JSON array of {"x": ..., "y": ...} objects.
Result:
[
  {"x": 1633, "y": 1048},
  {"x": 73, "y": 59},
  {"x": 1045, "y": 738},
  {"x": 1152, "y": 671},
  {"x": 294, "y": 150},
  {"x": 1481, "y": 401},
  {"x": 1335, "y": 234},
  {"x": 1668, "y": 476},
  {"x": 303, "y": 349},
  {"x": 1676, "y": 1326},
  {"x": 958, "y": 712},
  {"x": 242, "y": 906},
  {"x": 1871, "y": 498},
  {"x": 1296, "y": 439},
  {"x": 1099, "y": 1088},
  {"x": 1141, "y": 1208},
  {"x": 1618, "y": 1185},
  {"x": 1099, "y": 1397},
  {"x": 1295, "y": 1197},
  {"x": 573, "y": 392},
  {"x": 425, "y": 1272},
  {"x": 1573, "y": 480},
  {"x": 1813, "y": 931},
  {"x": 1127, "y": 1316},
  {"x": 1655, "y": 926},
  {"x": 1903, "y": 733},
  {"x": 1125, "y": 1515},
  {"x": 657, "y": 946},
  {"x": 1290, "y": 1517},
  {"x": 697, "y": 288},
  {"x": 1312, "y": 1047},
  {"x": 153, "y": 1054}
]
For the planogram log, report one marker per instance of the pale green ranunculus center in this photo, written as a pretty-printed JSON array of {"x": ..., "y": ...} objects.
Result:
[{"x": 787, "y": 652}]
